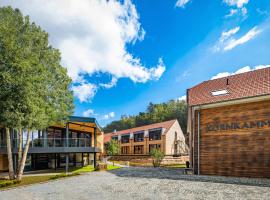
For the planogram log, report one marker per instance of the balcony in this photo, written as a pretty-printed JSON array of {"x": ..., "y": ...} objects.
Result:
[{"x": 55, "y": 145}]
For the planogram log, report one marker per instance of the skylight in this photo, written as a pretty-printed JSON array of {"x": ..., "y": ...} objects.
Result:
[{"x": 219, "y": 92}]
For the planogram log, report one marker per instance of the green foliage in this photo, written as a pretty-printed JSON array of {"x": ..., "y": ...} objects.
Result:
[
  {"x": 34, "y": 90},
  {"x": 157, "y": 156},
  {"x": 112, "y": 147},
  {"x": 155, "y": 113},
  {"x": 8, "y": 183}
]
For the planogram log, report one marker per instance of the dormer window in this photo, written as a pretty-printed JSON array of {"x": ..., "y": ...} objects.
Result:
[{"x": 219, "y": 92}]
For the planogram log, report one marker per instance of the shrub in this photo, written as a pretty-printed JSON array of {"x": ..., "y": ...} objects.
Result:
[{"x": 157, "y": 157}]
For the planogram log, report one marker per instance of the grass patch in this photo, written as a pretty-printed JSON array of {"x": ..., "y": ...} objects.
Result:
[
  {"x": 88, "y": 168},
  {"x": 63, "y": 175},
  {"x": 111, "y": 167},
  {"x": 25, "y": 181}
]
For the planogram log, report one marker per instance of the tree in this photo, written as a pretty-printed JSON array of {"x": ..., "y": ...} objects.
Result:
[
  {"x": 35, "y": 89},
  {"x": 154, "y": 113},
  {"x": 157, "y": 156},
  {"x": 112, "y": 148}
]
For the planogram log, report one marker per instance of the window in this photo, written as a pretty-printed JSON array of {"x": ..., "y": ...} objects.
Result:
[
  {"x": 125, "y": 138},
  {"x": 138, "y": 149},
  {"x": 155, "y": 135},
  {"x": 138, "y": 137},
  {"x": 219, "y": 92},
  {"x": 154, "y": 146},
  {"x": 124, "y": 150}
]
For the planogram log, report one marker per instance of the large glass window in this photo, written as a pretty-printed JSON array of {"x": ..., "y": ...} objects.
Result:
[
  {"x": 138, "y": 149},
  {"x": 125, "y": 138},
  {"x": 155, "y": 134},
  {"x": 124, "y": 150},
  {"x": 138, "y": 137},
  {"x": 154, "y": 146}
]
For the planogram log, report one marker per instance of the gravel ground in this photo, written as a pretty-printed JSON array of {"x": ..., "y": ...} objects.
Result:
[{"x": 142, "y": 183}]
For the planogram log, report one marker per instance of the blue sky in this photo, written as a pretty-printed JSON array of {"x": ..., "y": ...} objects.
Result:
[{"x": 123, "y": 55}]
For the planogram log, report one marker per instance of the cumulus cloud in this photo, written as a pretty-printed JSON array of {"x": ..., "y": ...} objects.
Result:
[
  {"x": 110, "y": 84},
  {"x": 237, "y": 3},
  {"x": 84, "y": 91},
  {"x": 227, "y": 42},
  {"x": 239, "y": 71},
  {"x": 181, "y": 3},
  {"x": 182, "y": 98},
  {"x": 109, "y": 115},
  {"x": 92, "y": 37},
  {"x": 239, "y": 7},
  {"x": 88, "y": 113}
]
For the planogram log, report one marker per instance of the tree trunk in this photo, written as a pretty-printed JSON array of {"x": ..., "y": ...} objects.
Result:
[
  {"x": 20, "y": 149},
  {"x": 22, "y": 164},
  {"x": 9, "y": 152}
]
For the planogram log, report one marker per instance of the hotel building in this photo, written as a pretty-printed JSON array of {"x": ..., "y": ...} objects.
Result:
[
  {"x": 166, "y": 136},
  {"x": 229, "y": 125},
  {"x": 75, "y": 143}
]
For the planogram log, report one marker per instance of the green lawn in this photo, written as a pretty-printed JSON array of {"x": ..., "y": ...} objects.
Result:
[
  {"x": 28, "y": 180},
  {"x": 90, "y": 168}
]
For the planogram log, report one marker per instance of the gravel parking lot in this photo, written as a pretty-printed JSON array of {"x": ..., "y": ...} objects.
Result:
[{"x": 142, "y": 183}]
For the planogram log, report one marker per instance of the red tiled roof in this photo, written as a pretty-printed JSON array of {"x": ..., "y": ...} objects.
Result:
[
  {"x": 248, "y": 84},
  {"x": 167, "y": 125}
]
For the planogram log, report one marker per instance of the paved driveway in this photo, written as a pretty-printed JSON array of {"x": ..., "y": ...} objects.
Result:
[{"x": 142, "y": 183}]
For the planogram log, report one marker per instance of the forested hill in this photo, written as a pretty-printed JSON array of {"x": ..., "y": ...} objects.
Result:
[{"x": 154, "y": 113}]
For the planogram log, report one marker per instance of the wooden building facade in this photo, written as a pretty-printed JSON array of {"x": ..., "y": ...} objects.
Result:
[{"x": 229, "y": 125}]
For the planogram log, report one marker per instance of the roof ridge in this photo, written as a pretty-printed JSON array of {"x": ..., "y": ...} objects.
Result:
[{"x": 138, "y": 127}]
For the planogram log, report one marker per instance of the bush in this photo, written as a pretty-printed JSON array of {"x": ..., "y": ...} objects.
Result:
[{"x": 157, "y": 157}]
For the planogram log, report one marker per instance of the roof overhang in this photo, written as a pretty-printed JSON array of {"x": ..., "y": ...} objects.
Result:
[
  {"x": 232, "y": 102},
  {"x": 83, "y": 124}
]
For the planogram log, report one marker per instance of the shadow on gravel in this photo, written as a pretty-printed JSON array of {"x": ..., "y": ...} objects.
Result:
[{"x": 178, "y": 174}]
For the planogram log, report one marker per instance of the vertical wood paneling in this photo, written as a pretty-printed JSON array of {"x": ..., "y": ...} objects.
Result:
[{"x": 241, "y": 152}]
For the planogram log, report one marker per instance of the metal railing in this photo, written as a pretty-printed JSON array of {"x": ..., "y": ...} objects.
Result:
[{"x": 52, "y": 142}]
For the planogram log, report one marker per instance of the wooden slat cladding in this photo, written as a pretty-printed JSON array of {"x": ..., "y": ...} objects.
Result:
[{"x": 234, "y": 140}]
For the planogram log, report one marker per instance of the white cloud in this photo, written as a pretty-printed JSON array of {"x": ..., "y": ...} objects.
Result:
[
  {"x": 109, "y": 115},
  {"x": 84, "y": 91},
  {"x": 92, "y": 37},
  {"x": 227, "y": 42},
  {"x": 88, "y": 113},
  {"x": 181, "y": 3},
  {"x": 232, "y": 13},
  {"x": 245, "y": 38},
  {"x": 182, "y": 98},
  {"x": 237, "y": 3},
  {"x": 110, "y": 84},
  {"x": 244, "y": 11},
  {"x": 239, "y": 71},
  {"x": 238, "y": 7}
]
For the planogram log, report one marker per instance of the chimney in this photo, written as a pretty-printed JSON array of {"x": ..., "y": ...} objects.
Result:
[{"x": 227, "y": 82}]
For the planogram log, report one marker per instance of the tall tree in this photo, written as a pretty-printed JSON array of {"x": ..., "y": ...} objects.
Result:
[
  {"x": 35, "y": 89},
  {"x": 154, "y": 113}
]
